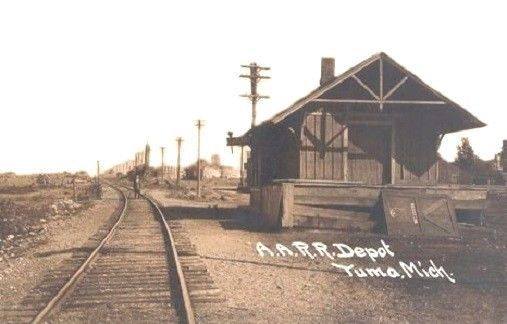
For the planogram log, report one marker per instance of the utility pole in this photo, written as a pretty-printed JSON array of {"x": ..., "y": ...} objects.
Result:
[
  {"x": 254, "y": 77},
  {"x": 98, "y": 173},
  {"x": 99, "y": 189},
  {"x": 178, "y": 162},
  {"x": 241, "y": 172},
  {"x": 199, "y": 125},
  {"x": 162, "y": 156}
]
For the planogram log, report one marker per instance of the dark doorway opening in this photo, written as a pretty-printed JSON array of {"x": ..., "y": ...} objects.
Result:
[{"x": 369, "y": 154}]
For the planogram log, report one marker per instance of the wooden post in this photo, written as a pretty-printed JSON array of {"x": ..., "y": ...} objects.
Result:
[
  {"x": 287, "y": 205},
  {"x": 147, "y": 152},
  {"x": 98, "y": 173},
  {"x": 162, "y": 164},
  {"x": 345, "y": 154},
  {"x": 381, "y": 85},
  {"x": 199, "y": 125},
  {"x": 393, "y": 153},
  {"x": 178, "y": 166},
  {"x": 99, "y": 190},
  {"x": 258, "y": 167},
  {"x": 241, "y": 172}
]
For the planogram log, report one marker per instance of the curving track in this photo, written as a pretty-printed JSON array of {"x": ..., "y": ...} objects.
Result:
[{"x": 133, "y": 274}]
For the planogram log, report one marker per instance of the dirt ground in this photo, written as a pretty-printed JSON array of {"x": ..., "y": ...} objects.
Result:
[
  {"x": 59, "y": 238},
  {"x": 299, "y": 289}
]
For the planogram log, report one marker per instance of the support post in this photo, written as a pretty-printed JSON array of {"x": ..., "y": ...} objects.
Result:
[
  {"x": 393, "y": 153},
  {"x": 199, "y": 125},
  {"x": 162, "y": 163},
  {"x": 98, "y": 173},
  {"x": 287, "y": 205},
  {"x": 345, "y": 154},
  {"x": 178, "y": 165},
  {"x": 99, "y": 189},
  {"x": 241, "y": 169}
]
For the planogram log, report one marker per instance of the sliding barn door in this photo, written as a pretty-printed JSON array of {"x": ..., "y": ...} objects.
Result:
[{"x": 321, "y": 154}]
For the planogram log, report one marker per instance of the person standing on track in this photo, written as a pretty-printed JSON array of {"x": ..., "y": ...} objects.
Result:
[{"x": 136, "y": 185}]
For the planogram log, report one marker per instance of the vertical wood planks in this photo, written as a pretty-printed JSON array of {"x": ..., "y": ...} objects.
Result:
[
  {"x": 345, "y": 154},
  {"x": 319, "y": 134},
  {"x": 321, "y": 155}
]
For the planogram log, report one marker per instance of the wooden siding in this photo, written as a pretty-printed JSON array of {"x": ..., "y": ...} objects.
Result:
[
  {"x": 321, "y": 153},
  {"x": 369, "y": 154}
]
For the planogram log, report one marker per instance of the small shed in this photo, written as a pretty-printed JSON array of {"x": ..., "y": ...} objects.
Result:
[{"x": 376, "y": 124}]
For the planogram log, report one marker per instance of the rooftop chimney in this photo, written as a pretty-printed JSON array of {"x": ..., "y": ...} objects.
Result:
[{"x": 326, "y": 70}]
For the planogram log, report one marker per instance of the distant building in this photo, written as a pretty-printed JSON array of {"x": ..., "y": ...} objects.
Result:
[
  {"x": 504, "y": 156},
  {"x": 215, "y": 160},
  {"x": 498, "y": 161},
  {"x": 170, "y": 172},
  {"x": 210, "y": 170},
  {"x": 228, "y": 172},
  {"x": 123, "y": 168},
  {"x": 502, "y": 161}
]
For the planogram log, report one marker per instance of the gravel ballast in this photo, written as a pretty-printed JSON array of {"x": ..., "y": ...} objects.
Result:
[
  {"x": 296, "y": 289},
  {"x": 18, "y": 275}
]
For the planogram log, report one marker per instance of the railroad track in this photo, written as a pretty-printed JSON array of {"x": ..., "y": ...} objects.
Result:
[{"x": 133, "y": 274}]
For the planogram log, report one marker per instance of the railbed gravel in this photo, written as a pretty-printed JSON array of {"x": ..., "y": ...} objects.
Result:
[
  {"x": 287, "y": 290},
  {"x": 61, "y": 237}
]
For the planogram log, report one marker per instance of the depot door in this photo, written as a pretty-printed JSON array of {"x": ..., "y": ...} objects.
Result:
[{"x": 369, "y": 154}]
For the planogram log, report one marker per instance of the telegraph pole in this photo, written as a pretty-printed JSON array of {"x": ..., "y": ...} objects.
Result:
[
  {"x": 162, "y": 156},
  {"x": 98, "y": 173},
  {"x": 241, "y": 172},
  {"x": 199, "y": 125},
  {"x": 99, "y": 189},
  {"x": 178, "y": 162},
  {"x": 254, "y": 77}
]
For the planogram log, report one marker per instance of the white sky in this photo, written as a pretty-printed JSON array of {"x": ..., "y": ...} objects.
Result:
[{"x": 82, "y": 81}]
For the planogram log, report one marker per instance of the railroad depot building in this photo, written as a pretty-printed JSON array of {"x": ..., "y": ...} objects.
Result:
[{"x": 324, "y": 161}]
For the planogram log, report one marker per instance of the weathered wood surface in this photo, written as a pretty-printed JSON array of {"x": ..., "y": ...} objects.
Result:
[
  {"x": 322, "y": 146},
  {"x": 349, "y": 200},
  {"x": 419, "y": 214},
  {"x": 368, "y": 154},
  {"x": 255, "y": 200},
  {"x": 495, "y": 214},
  {"x": 312, "y": 221},
  {"x": 287, "y": 205},
  {"x": 273, "y": 204},
  {"x": 345, "y": 206}
]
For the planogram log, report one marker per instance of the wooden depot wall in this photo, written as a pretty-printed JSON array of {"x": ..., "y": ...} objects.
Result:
[
  {"x": 346, "y": 206},
  {"x": 369, "y": 148}
]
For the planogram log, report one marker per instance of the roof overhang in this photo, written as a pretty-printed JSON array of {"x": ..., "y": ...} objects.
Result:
[{"x": 387, "y": 97}]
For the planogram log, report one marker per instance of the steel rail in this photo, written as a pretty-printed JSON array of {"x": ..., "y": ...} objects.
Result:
[
  {"x": 58, "y": 298},
  {"x": 187, "y": 310}
]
